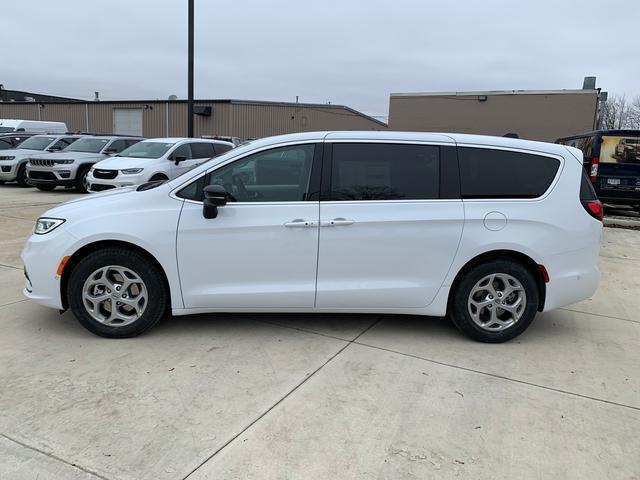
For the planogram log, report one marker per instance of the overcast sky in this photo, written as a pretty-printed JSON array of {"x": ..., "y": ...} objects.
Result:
[{"x": 352, "y": 52}]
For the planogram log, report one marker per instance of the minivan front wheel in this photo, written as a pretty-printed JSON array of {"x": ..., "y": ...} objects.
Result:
[
  {"x": 495, "y": 301},
  {"x": 117, "y": 293}
]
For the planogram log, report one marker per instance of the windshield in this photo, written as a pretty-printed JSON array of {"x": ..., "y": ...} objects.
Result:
[
  {"x": 6, "y": 129},
  {"x": 146, "y": 150},
  {"x": 90, "y": 145},
  {"x": 5, "y": 144},
  {"x": 37, "y": 142}
]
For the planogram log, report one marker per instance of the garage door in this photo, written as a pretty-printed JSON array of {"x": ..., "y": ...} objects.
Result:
[{"x": 127, "y": 121}]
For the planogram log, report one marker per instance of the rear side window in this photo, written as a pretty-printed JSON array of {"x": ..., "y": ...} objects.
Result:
[
  {"x": 486, "y": 173},
  {"x": 221, "y": 148},
  {"x": 202, "y": 150},
  {"x": 377, "y": 171}
]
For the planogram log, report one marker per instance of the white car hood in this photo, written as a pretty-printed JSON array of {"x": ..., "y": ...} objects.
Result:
[
  {"x": 68, "y": 155},
  {"x": 21, "y": 152},
  {"x": 108, "y": 201},
  {"x": 119, "y": 163}
]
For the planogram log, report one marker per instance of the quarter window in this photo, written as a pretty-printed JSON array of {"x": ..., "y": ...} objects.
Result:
[
  {"x": 487, "y": 173},
  {"x": 376, "y": 171}
]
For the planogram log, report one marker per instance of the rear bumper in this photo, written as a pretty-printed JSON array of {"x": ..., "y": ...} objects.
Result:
[{"x": 573, "y": 277}]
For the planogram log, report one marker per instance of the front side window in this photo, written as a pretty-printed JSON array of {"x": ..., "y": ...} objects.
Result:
[
  {"x": 276, "y": 175},
  {"x": 221, "y": 148},
  {"x": 183, "y": 151},
  {"x": 88, "y": 145},
  {"x": 377, "y": 171},
  {"x": 117, "y": 146},
  {"x": 487, "y": 173}
]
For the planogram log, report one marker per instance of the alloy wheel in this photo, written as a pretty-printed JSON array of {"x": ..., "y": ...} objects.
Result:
[
  {"x": 497, "y": 302},
  {"x": 115, "y": 296}
]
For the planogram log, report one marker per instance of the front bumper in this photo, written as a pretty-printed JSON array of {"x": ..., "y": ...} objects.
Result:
[
  {"x": 102, "y": 184},
  {"x": 8, "y": 171},
  {"x": 51, "y": 175},
  {"x": 41, "y": 256}
]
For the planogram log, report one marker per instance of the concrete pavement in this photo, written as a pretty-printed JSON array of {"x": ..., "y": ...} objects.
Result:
[{"x": 318, "y": 396}]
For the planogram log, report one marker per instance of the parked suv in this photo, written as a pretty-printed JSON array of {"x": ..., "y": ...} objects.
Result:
[
  {"x": 486, "y": 230},
  {"x": 13, "y": 162},
  {"x": 70, "y": 167},
  {"x": 153, "y": 159}
]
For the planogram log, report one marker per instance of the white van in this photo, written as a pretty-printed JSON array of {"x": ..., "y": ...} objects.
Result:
[
  {"x": 485, "y": 230},
  {"x": 33, "y": 126}
]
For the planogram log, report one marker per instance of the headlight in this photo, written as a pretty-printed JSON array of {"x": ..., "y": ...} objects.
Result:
[
  {"x": 131, "y": 171},
  {"x": 7, "y": 158},
  {"x": 63, "y": 162},
  {"x": 46, "y": 225}
]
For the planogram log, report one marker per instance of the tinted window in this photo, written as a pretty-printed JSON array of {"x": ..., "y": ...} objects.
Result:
[
  {"x": 587, "y": 191},
  {"x": 486, "y": 173},
  {"x": 277, "y": 175},
  {"x": 374, "y": 171},
  {"x": 182, "y": 151},
  {"x": 117, "y": 146},
  {"x": 202, "y": 150},
  {"x": 220, "y": 148},
  {"x": 5, "y": 143}
]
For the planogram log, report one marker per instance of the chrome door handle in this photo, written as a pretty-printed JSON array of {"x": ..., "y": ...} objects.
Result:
[
  {"x": 336, "y": 222},
  {"x": 300, "y": 223}
]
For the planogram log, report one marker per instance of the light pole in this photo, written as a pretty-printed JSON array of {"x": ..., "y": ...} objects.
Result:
[{"x": 190, "y": 74}]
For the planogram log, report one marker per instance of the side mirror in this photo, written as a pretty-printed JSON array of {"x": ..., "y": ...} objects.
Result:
[
  {"x": 179, "y": 158},
  {"x": 54, "y": 149},
  {"x": 214, "y": 196},
  {"x": 109, "y": 151}
]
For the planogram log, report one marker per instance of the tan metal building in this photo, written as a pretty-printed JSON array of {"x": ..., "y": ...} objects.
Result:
[
  {"x": 160, "y": 118},
  {"x": 532, "y": 114}
]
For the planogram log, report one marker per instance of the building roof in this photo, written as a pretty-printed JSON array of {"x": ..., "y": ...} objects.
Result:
[
  {"x": 20, "y": 96},
  {"x": 495, "y": 92}
]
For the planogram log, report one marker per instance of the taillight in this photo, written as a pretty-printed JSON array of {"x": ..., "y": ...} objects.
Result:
[
  {"x": 594, "y": 208},
  {"x": 593, "y": 168}
]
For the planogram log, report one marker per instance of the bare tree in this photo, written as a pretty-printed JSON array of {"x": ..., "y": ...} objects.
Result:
[{"x": 617, "y": 113}]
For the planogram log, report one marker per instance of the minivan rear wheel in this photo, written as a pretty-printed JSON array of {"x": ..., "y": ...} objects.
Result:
[
  {"x": 117, "y": 293},
  {"x": 495, "y": 301}
]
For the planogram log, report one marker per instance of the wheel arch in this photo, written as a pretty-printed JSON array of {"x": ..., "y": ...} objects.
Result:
[
  {"x": 519, "y": 257},
  {"x": 89, "y": 248}
]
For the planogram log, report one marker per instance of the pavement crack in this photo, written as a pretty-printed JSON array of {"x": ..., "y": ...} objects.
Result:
[
  {"x": 500, "y": 377},
  {"x": 599, "y": 315},
  {"x": 10, "y": 266},
  {"x": 296, "y": 387},
  {"x": 54, "y": 457}
]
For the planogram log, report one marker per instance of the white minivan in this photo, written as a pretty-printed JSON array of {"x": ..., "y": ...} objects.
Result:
[
  {"x": 485, "y": 230},
  {"x": 33, "y": 126},
  {"x": 153, "y": 159}
]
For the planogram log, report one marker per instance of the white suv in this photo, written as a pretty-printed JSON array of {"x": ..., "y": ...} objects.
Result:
[
  {"x": 154, "y": 159},
  {"x": 70, "y": 167},
  {"x": 13, "y": 162},
  {"x": 486, "y": 230}
]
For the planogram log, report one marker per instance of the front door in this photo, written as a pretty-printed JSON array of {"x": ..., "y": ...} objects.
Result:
[
  {"x": 261, "y": 250},
  {"x": 387, "y": 238}
]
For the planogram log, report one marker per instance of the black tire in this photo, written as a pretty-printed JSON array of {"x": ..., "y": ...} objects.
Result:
[
  {"x": 81, "y": 179},
  {"x": 459, "y": 311},
  {"x": 22, "y": 178},
  {"x": 153, "y": 278},
  {"x": 46, "y": 188}
]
